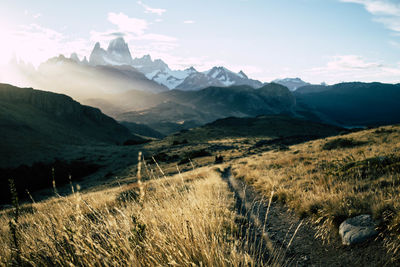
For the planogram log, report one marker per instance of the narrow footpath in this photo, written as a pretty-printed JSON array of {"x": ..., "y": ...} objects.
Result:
[{"x": 274, "y": 235}]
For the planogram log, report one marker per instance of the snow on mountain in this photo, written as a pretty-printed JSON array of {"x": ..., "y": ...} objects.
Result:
[
  {"x": 157, "y": 70},
  {"x": 291, "y": 83},
  {"x": 172, "y": 78},
  {"x": 229, "y": 78},
  {"x": 147, "y": 66},
  {"x": 197, "y": 81},
  {"x": 117, "y": 53}
]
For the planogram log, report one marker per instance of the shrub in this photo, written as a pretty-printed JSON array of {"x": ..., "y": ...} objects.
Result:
[{"x": 342, "y": 143}]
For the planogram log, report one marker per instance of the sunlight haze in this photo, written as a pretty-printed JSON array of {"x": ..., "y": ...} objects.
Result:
[{"x": 317, "y": 40}]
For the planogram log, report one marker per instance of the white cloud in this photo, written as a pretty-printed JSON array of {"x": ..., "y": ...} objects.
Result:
[
  {"x": 379, "y": 7},
  {"x": 35, "y": 44},
  {"x": 353, "y": 68},
  {"x": 33, "y": 15},
  {"x": 386, "y": 12},
  {"x": 188, "y": 21},
  {"x": 127, "y": 24},
  {"x": 136, "y": 33},
  {"x": 394, "y": 43},
  {"x": 155, "y": 37},
  {"x": 351, "y": 62},
  {"x": 158, "y": 11}
]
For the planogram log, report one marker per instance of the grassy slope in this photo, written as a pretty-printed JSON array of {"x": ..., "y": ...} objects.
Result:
[
  {"x": 37, "y": 125},
  {"x": 336, "y": 178},
  {"x": 181, "y": 221},
  {"x": 327, "y": 183}
]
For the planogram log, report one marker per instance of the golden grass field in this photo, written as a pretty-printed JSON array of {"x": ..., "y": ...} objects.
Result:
[
  {"x": 183, "y": 220},
  {"x": 189, "y": 218},
  {"x": 329, "y": 180}
]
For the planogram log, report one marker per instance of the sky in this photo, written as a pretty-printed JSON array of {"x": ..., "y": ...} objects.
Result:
[{"x": 317, "y": 40}]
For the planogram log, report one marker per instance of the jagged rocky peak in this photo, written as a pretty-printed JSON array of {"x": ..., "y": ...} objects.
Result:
[
  {"x": 117, "y": 44},
  {"x": 97, "y": 57},
  {"x": 291, "y": 83},
  {"x": 146, "y": 59},
  {"x": 85, "y": 61},
  {"x": 74, "y": 57},
  {"x": 117, "y": 53},
  {"x": 243, "y": 75},
  {"x": 146, "y": 65},
  {"x": 191, "y": 70},
  {"x": 118, "y": 50}
]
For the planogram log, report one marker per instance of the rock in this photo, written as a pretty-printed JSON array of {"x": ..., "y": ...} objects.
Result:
[{"x": 357, "y": 229}]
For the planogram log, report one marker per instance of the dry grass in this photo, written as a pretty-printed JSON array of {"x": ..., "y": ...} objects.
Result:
[
  {"x": 183, "y": 220},
  {"x": 332, "y": 179}
]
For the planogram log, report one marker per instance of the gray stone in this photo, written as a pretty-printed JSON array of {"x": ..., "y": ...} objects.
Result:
[{"x": 357, "y": 229}]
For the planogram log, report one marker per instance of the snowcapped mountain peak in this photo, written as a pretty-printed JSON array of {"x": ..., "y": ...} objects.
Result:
[
  {"x": 191, "y": 70},
  {"x": 117, "y": 53},
  {"x": 291, "y": 83},
  {"x": 117, "y": 44},
  {"x": 74, "y": 57},
  {"x": 242, "y": 75},
  {"x": 97, "y": 46},
  {"x": 149, "y": 67},
  {"x": 157, "y": 70}
]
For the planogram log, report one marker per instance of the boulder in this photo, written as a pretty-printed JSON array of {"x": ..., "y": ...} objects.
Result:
[{"x": 357, "y": 229}]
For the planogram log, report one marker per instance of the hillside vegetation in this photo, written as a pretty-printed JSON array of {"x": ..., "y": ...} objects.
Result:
[
  {"x": 332, "y": 179},
  {"x": 37, "y": 124},
  {"x": 352, "y": 104},
  {"x": 176, "y": 221}
]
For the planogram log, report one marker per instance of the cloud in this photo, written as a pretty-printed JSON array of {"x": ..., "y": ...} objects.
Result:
[
  {"x": 33, "y": 15},
  {"x": 351, "y": 62},
  {"x": 386, "y": 12},
  {"x": 35, "y": 44},
  {"x": 188, "y": 21},
  {"x": 136, "y": 33},
  {"x": 394, "y": 43},
  {"x": 379, "y": 7},
  {"x": 353, "y": 68},
  {"x": 127, "y": 24},
  {"x": 156, "y": 37},
  {"x": 130, "y": 29},
  {"x": 158, "y": 11}
]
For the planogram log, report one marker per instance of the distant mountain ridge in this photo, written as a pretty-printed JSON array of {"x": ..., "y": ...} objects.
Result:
[
  {"x": 352, "y": 104},
  {"x": 85, "y": 81},
  {"x": 292, "y": 83},
  {"x": 118, "y": 53},
  {"x": 190, "y": 79},
  {"x": 179, "y": 110},
  {"x": 119, "y": 64}
]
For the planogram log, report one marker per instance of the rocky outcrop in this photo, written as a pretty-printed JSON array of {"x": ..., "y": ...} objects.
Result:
[{"x": 357, "y": 229}]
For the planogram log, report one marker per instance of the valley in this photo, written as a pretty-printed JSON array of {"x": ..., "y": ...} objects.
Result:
[{"x": 112, "y": 157}]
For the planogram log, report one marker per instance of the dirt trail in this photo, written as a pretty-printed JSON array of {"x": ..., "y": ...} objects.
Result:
[{"x": 283, "y": 239}]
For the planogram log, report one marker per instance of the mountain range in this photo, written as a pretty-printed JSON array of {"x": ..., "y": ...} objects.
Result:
[
  {"x": 352, "y": 104},
  {"x": 118, "y": 54},
  {"x": 110, "y": 73},
  {"x": 148, "y": 92},
  {"x": 179, "y": 110}
]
